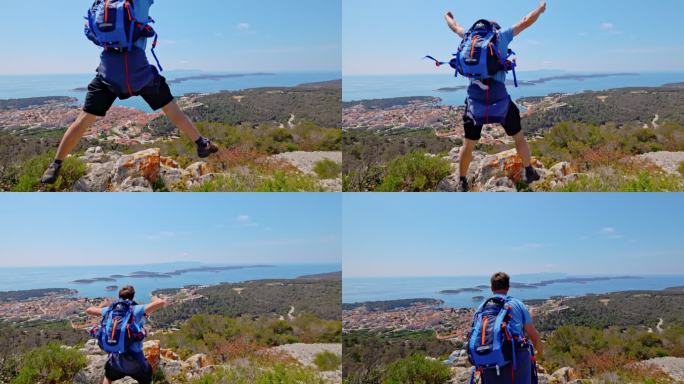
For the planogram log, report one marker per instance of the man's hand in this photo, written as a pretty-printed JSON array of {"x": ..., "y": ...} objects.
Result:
[
  {"x": 542, "y": 7},
  {"x": 453, "y": 24}
]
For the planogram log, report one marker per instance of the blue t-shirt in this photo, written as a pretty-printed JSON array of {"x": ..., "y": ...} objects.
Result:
[
  {"x": 520, "y": 315},
  {"x": 140, "y": 318}
]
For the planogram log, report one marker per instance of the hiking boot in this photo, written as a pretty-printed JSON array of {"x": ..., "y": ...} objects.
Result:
[
  {"x": 531, "y": 175},
  {"x": 463, "y": 186},
  {"x": 206, "y": 150},
  {"x": 51, "y": 174}
]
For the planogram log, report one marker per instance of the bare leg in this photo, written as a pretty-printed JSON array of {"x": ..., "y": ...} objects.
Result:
[
  {"x": 74, "y": 134},
  {"x": 180, "y": 120},
  {"x": 106, "y": 381},
  {"x": 466, "y": 156},
  {"x": 523, "y": 149}
]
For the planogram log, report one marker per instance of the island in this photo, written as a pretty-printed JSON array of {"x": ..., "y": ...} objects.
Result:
[
  {"x": 216, "y": 77},
  {"x": 111, "y": 288},
  {"x": 477, "y": 299},
  {"x": 459, "y": 291},
  {"x": 93, "y": 280}
]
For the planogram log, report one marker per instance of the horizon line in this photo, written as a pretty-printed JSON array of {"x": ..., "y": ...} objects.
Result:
[{"x": 230, "y": 72}]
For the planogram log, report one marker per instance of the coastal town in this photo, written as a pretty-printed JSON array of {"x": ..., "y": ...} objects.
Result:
[
  {"x": 450, "y": 323},
  {"x": 65, "y": 305},
  {"x": 122, "y": 125},
  {"x": 417, "y": 114}
]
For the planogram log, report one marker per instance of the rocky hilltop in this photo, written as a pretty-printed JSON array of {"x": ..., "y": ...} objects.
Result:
[
  {"x": 503, "y": 171},
  {"x": 148, "y": 170},
  {"x": 168, "y": 364},
  {"x": 671, "y": 368}
]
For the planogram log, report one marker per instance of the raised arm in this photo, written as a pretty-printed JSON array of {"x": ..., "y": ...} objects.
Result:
[
  {"x": 155, "y": 305},
  {"x": 530, "y": 19},
  {"x": 453, "y": 24}
]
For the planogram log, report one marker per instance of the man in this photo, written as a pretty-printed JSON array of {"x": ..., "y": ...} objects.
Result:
[
  {"x": 134, "y": 363},
  {"x": 519, "y": 324},
  {"x": 512, "y": 125},
  {"x": 122, "y": 75}
]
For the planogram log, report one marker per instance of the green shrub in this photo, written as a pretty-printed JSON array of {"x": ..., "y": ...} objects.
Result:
[
  {"x": 32, "y": 170},
  {"x": 278, "y": 181},
  {"x": 415, "y": 172},
  {"x": 327, "y": 169},
  {"x": 681, "y": 168},
  {"x": 50, "y": 364},
  {"x": 278, "y": 374},
  {"x": 612, "y": 180},
  {"x": 416, "y": 369},
  {"x": 327, "y": 361}
]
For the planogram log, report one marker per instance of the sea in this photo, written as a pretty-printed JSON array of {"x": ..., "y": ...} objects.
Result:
[
  {"x": 24, "y": 86},
  {"x": 25, "y": 278},
  {"x": 356, "y": 290},
  {"x": 389, "y": 86}
]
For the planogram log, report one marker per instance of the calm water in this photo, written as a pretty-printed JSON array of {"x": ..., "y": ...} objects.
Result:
[
  {"x": 375, "y": 289},
  {"x": 15, "y": 87},
  {"x": 380, "y": 87},
  {"x": 12, "y": 279}
]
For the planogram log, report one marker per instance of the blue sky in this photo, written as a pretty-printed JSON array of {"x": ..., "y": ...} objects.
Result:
[
  {"x": 96, "y": 229},
  {"x": 213, "y": 35},
  {"x": 478, "y": 234},
  {"x": 390, "y": 36}
]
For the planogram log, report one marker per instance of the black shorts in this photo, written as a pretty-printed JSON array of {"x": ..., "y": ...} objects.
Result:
[
  {"x": 511, "y": 125},
  {"x": 128, "y": 365},
  {"x": 100, "y": 97}
]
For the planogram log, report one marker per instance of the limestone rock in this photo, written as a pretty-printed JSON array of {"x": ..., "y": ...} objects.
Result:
[
  {"x": 145, "y": 164},
  {"x": 198, "y": 361},
  {"x": 198, "y": 169},
  {"x": 564, "y": 375},
  {"x": 667, "y": 161},
  {"x": 138, "y": 184}
]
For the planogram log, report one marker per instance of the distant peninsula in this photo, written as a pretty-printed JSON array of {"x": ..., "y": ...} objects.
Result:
[
  {"x": 542, "y": 80},
  {"x": 35, "y": 294},
  {"x": 216, "y": 77},
  {"x": 459, "y": 291},
  {"x": 323, "y": 276},
  {"x": 388, "y": 305},
  {"x": 163, "y": 275}
]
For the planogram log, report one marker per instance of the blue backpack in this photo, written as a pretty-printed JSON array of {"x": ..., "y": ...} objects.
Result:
[
  {"x": 111, "y": 24},
  {"x": 491, "y": 344},
  {"x": 478, "y": 56},
  {"x": 118, "y": 328}
]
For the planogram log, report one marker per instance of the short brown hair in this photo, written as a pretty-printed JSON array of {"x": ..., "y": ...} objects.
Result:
[
  {"x": 500, "y": 281},
  {"x": 127, "y": 292}
]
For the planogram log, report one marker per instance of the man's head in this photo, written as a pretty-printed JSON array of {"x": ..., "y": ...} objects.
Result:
[
  {"x": 127, "y": 293},
  {"x": 501, "y": 283},
  {"x": 495, "y": 24}
]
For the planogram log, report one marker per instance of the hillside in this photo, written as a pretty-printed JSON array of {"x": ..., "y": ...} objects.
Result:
[
  {"x": 266, "y": 331},
  {"x": 617, "y": 337},
  {"x": 320, "y": 298},
  {"x": 319, "y": 105},
  {"x": 625, "y": 139},
  {"x": 272, "y": 139}
]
